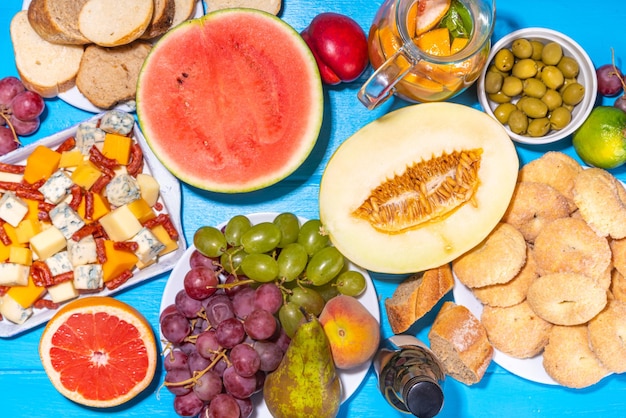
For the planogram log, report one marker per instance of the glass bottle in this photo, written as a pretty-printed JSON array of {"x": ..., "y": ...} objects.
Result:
[{"x": 410, "y": 377}]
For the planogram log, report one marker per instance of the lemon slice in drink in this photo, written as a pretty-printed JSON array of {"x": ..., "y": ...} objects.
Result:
[{"x": 429, "y": 13}]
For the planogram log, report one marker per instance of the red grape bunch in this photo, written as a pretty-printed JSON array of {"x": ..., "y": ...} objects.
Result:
[
  {"x": 20, "y": 110},
  {"x": 611, "y": 83}
]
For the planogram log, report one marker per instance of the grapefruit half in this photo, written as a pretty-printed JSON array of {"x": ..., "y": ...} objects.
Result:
[
  {"x": 98, "y": 351},
  {"x": 232, "y": 101}
]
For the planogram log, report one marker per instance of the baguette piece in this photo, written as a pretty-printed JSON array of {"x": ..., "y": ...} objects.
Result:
[
  {"x": 115, "y": 22},
  {"x": 269, "y": 6},
  {"x": 459, "y": 340},
  {"x": 162, "y": 19},
  {"x": 108, "y": 76},
  {"x": 184, "y": 10},
  {"x": 56, "y": 21},
  {"x": 44, "y": 67},
  {"x": 417, "y": 295}
]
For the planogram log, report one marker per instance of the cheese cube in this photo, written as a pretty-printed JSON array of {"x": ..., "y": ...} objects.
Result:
[
  {"x": 83, "y": 251},
  {"x": 118, "y": 261},
  {"x": 5, "y": 250},
  {"x": 66, "y": 219},
  {"x": 149, "y": 245},
  {"x": 122, "y": 189},
  {"x": 12, "y": 209},
  {"x": 117, "y": 122},
  {"x": 161, "y": 233},
  {"x": 13, "y": 274},
  {"x": 56, "y": 187},
  {"x": 149, "y": 187},
  {"x": 141, "y": 210},
  {"x": 120, "y": 224},
  {"x": 26, "y": 230},
  {"x": 26, "y": 295},
  {"x": 88, "y": 277},
  {"x": 11, "y": 177},
  {"x": 40, "y": 164},
  {"x": 71, "y": 158},
  {"x": 117, "y": 147},
  {"x": 59, "y": 263},
  {"x": 21, "y": 255},
  {"x": 33, "y": 210},
  {"x": 63, "y": 291},
  {"x": 48, "y": 242},
  {"x": 13, "y": 311},
  {"x": 86, "y": 174},
  {"x": 100, "y": 207},
  {"x": 87, "y": 135}
]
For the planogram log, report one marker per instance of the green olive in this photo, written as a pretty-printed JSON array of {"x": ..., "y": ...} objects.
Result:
[
  {"x": 538, "y": 127},
  {"x": 566, "y": 83},
  {"x": 493, "y": 82},
  {"x": 512, "y": 86},
  {"x": 569, "y": 67},
  {"x": 552, "y": 53},
  {"x": 522, "y": 48},
  {"x": 534, "y": 108},
  {"x": 537, "y": 50},
  {"x": 560, "y": 118},
  {"x": 540, "y": 67},
  {"x": 499, "y": 97},
  {"x": 524, "y": 68},
  {"x": 494, "y": 69},
  {"x": 552, "y": 77},
  {"x": 520, "y": 102},
  {"x": 534, "y": 88},
  {"x": 503, "y": 111},
  {"x": 573, "y": 94},
  {"x": 518, "y": 122},
  {"x": 504, "y": 60},
  {"x": 552, "y": 99}
]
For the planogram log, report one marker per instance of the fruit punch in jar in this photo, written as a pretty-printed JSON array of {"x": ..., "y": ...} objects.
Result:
[{"x": 427, "y": 50}]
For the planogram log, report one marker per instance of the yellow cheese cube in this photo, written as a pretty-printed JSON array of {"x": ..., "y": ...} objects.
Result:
[
  {"x": 120, "y": 224},
  {"x": 117, "y": 147},
  {"x": 33, "y": 209},
  {"x": 117, "y": 262},
  {"x": 142, "y": 211},
  {"x": 86, "y": 174},
  {"x": 48, "y": 242},
  {"x": 71, "y": 158},
  {"x": 21, "y": 255},
  {"x": 6, "y": 249},
  {"x": 149, "y": 188},
  {"x": 161, "y": 233},
  {"x": 41, "y": 163},
  {"x": 62, "y": 292},
  {"x": 26, "y": 295},
  {"x": 26, "y": 230},
  {"x": 100, "y": 208}
]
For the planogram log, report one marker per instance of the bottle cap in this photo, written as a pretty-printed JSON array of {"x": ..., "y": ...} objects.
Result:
[{"x": 424, "y": 399}]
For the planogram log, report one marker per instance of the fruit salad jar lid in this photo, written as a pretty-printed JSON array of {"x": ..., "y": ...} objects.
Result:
[{"x": 424, "y": 398}]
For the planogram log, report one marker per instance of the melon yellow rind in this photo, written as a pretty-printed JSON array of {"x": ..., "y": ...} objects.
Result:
[{"x": 383, "y": 149}]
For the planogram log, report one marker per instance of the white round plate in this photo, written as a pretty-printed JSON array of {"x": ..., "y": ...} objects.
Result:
[
  {"x": 75, "y": 98},
  {"x": 350, "y": 379},
  {"x": 530, "y": 369}
]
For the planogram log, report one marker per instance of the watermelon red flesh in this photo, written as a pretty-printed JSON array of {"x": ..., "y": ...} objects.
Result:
[{"x": 232, "y": 101}]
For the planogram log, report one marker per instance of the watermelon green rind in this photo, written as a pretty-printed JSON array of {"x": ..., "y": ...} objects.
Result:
[{"x": 232, "y": 101}]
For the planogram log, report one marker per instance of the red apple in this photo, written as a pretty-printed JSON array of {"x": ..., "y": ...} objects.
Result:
[{"x": 339, "y": 46}]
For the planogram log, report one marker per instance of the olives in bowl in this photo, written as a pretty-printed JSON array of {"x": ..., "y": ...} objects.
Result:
[{"x": 539, "y": 84}]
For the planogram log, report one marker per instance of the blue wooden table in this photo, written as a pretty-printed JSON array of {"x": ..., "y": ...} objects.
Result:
[{"x": 24, "y": 388}]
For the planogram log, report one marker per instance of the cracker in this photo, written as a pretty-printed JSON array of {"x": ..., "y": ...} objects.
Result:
[{"x": 607, "y": 335}]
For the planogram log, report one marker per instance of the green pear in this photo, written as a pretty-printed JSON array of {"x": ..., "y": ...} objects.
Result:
[{"x": 305, "y": 384}]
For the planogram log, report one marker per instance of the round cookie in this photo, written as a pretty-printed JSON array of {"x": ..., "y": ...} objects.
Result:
[
  {"x": 512, "y": 292},
  {"x": 566, "y": 298},
  {"x": 570, "y": 245},
  {"x": 569, "y": 360},
  {"x": 516, "y": 330},
  {"x": 618, "y": 249},
  {"x": 496, "y": 260},
  {"x": 607, "y": 335},
  {"x": 533, "y": 206},
  {"x": 618, "y": 286}
]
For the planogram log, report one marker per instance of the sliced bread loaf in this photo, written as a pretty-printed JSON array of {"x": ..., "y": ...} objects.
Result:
[
  {"x": 56, "y": 21},
  {"x": 115, "y": 22},
  {"x": 270, "y": 6},
  {"x": 108, "y": 76},
  {"x": 44, "y": 67},
  {"x": 162, "y": 18},
  {"x": 184, "y": 10}
]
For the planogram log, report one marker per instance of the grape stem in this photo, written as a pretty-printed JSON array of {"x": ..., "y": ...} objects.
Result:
[
  {"x": 10, "y": 125},
  {"x": 221, "y": 354}
]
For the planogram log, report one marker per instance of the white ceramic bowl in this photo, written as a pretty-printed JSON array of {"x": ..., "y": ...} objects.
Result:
[{"x": 586, "y": 77}]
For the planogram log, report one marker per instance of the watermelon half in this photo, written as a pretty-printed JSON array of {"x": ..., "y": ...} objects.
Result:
[{"x": 232, "y": 101}]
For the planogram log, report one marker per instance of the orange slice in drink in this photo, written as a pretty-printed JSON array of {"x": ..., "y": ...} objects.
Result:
[
  {"x": 429, "y": 13},
  {"x": 98, "y": 351},
  {"x": 435, "y": 42}
]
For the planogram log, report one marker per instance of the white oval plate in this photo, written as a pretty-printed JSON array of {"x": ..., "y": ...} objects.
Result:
[
  {"x": 350, "y": 379},
  {"x": 75, "y": 98}
]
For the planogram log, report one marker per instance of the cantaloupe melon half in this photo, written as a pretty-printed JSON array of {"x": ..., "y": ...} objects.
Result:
[
  {"x": 232, "y": 101},
  {"x": 394, "y": 170}
]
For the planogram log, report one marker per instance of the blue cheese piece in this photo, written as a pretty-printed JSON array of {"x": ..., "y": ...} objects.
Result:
[
  {"x": 57, "y": 187},
  {"x": 66, "y": 220},
  {"x": 13, "y": 311},
  {"x": 88, "y": 277},
  {"x": 149, "y": 245},
  {"x": 13, "y": 274},
  {"x": 87, "y": 135},
  {"x": 83, "y": 251},
  {"x": 122, "y": 189},
  {"x": 59, "y": 263},
  {"x": 12, "y": 209},
  {"x": 117, "y": 122}
]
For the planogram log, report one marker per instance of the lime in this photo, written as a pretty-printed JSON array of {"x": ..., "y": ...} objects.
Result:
[{"x": 600, "y": 141}]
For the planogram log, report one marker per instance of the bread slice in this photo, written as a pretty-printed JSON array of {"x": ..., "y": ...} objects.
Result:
[
  {"x": 44, "y": 67},
  {"x": 415, "y": 296},
  {"x": 115, "y": 22},
  {"x": 162, "y": 18},
  {"x": 460, "y": 342},
  {"x": 269, "y": 6},
  {"x": 108, "y": 76},
  {"x": 56, "y": 21},
  {"x": 184, "y": 10}
]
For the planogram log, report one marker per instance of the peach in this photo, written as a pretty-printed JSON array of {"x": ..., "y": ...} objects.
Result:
[{"x": 352, "y": 331}]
